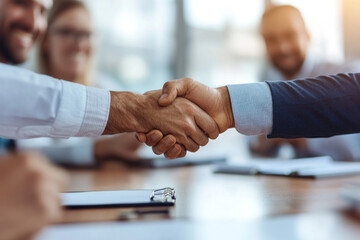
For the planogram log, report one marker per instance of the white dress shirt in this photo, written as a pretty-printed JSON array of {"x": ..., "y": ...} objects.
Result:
[
  {"x": 34, "y": 105},
  {"x": 73, "y": 151}
]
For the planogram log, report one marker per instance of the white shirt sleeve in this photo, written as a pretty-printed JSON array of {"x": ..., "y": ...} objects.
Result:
[{"x": 34, "y": 105}]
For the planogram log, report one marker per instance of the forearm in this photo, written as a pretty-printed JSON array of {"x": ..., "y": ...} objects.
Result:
[
  {"x": 34, "y": 105},
  {"x": 316, "y": 107}
]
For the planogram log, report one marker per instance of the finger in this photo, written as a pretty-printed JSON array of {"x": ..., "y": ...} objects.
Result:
[
  {"x": 183, "y": 152},
  {"x": 199, "y": 137},
  {"x": 173, "y": 89},
  {"x": 192, "y": 146},
  {"x": 187, "y": 143},
  {"x": 153, "y": 137},
  {"x": 206, "y": 124},
  {"x": 164, "y": 145},
  {"x": 174, "y": 152},
  {"x": 141, "y": 137}
]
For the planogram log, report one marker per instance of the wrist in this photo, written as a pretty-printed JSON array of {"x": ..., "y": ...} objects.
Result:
[
  {"x": 226, "y": 108},
  {"x": 125, "y": 113}
]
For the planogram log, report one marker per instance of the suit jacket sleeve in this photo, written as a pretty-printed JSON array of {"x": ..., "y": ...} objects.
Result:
[{"x": 316, "y": 107}]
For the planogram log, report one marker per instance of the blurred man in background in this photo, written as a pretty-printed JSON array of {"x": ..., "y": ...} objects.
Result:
[{"x": 287, "y": 42}]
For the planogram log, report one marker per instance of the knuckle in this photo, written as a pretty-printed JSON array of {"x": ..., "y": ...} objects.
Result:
[
  {"x": 188, "y": 80},
  {"x": 188, "y": 108},
  {"x": 167, "y": 84}
]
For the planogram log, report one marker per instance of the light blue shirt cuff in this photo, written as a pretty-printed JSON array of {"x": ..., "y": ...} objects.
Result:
[{"x": 252, "y": 108}]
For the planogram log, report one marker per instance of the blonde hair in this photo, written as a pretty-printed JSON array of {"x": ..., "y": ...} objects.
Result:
[{"x": 60, "y": 7}]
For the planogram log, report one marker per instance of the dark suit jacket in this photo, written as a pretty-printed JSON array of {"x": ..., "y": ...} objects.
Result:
[{"x": 316, "y": 107}]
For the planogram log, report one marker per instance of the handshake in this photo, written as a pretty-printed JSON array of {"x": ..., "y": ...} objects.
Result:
[{"x": 179, "y": 118}]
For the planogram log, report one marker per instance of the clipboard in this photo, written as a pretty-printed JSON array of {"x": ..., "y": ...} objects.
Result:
[{"x": 164, "y": 197}]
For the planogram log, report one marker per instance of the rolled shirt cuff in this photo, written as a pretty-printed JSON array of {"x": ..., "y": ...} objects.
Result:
[
  {"x": 96, "y": 112},
  {"x": 252, "y": 108}
]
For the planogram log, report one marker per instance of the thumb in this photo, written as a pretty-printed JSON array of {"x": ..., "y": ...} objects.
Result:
[
  {"x": 173, "y": 89},
  {"x": 168, "y": 95}
]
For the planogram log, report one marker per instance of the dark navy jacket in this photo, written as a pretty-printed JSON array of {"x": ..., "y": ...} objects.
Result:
[{"x": 316, "y": 107}]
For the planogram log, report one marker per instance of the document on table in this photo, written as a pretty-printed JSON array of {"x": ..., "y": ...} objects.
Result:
[{"x": 316, "y": 167}]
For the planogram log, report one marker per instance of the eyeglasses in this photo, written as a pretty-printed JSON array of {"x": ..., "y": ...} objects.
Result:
[{"x": 72, "y": 36}]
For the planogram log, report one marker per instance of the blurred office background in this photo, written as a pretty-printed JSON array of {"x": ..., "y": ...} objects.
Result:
[
  {"x": 143, "y": 43},
  {"x": 140, "y": 44}
]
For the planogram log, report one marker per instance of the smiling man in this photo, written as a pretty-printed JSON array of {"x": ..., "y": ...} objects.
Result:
[
  {"x": 21, "y": 24},
  {"x": 287, "y": 41}
]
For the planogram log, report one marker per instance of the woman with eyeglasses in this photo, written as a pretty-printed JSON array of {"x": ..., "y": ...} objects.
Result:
[{"x": 66, "y": 52}]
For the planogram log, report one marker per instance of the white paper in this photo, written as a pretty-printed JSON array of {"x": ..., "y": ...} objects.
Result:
[{"x": 271, "y": 166}]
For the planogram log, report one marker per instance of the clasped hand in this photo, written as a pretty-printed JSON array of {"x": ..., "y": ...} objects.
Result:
[{"x": 200, "y": 113}]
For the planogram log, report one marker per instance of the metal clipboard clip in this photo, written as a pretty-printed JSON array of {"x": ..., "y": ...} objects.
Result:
[{"x": 163, "y": 195}]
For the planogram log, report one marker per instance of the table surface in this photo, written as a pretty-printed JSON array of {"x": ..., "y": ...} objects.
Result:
[
  {"x": 305, "y": 207},
  {"x": 203, "y": 195}
]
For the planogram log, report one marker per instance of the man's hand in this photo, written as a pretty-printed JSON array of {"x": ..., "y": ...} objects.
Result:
[
  {"x": 184, "y": 120},
  {"x": 216, "y": 102},
  {"x": 29, "y": 194},
  {"x": 162, "y": 145}
]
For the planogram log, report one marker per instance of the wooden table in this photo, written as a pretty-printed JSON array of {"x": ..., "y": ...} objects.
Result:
[{"x": 203, "y": 195}]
